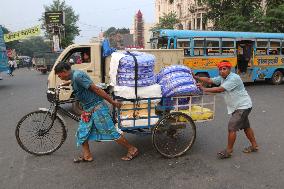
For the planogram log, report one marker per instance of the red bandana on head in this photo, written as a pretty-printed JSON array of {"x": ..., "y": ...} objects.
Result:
[{"x": 224, "y": 64}]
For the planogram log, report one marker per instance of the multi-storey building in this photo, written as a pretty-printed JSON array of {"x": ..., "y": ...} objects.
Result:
[{"x": 190, "y": 14}]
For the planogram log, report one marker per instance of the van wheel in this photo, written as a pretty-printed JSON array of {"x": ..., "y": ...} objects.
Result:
[
  {"x": 77, "y": 108},
  {"x": 277, "y": 78}
]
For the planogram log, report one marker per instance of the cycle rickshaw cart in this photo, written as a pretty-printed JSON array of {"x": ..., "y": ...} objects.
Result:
[{"x": 170, "y": 121}]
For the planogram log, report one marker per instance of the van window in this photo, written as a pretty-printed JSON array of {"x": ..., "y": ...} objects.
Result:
[{"x": 78, "y": 56}]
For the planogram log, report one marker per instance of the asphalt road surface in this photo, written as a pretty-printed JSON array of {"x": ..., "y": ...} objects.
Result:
[{"x": 198, "y": 168}]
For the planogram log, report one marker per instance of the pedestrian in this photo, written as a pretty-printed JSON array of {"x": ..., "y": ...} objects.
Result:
[
  {"x": 96, "y": 122},
  {"x": 238, "y": 102},
  {"x": 12, "y": 65}
]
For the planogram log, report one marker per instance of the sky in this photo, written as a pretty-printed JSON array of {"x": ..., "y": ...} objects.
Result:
[{"x": 94, "y": 15}]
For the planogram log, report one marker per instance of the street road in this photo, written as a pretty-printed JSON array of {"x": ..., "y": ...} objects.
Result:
[{"x": 199, "y": 168}]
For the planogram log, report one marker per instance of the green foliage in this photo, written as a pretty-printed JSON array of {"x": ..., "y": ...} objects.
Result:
[
  {"x": 271, "y": 4},
  {"x": 71, "y": 19},
  {"x": 12, "y": 44},
  {"x": 234, "y": 15},
  {"x": 115, "y": 36},
  {"x": 274, "y": 19},
  {"x": 32, "y": 45},
  {"x": 167, "y": 21}
]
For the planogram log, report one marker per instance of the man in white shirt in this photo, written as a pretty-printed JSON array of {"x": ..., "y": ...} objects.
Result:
[{"x": 239, "y": 105}]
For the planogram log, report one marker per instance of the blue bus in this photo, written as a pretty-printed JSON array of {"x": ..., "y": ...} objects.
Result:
[{"x": 255, "y": 56}]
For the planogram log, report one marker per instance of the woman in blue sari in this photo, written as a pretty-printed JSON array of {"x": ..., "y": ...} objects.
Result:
[{"x": 96, "y": 122}]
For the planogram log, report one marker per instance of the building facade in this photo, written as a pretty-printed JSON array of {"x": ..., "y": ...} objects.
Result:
[{"x": 190, "y": 14}]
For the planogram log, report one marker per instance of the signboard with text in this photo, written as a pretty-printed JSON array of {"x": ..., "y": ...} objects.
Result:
[{"x": 54, "y": 18}]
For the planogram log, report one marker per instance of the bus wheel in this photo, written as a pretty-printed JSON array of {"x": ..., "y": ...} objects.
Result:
[{"x": 277, "y": 78}]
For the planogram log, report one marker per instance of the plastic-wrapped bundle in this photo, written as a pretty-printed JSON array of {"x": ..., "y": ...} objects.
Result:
[
  {"x": 174, "y": 83},
  {"x": 131, "y": 76},
  {"x": 141, "y": 70},
  {"x": 140, "y": 82},
  {"x": 170, "y": 69},
  {"x": 184, "y": 90},
  {"x": 175, "y": 75},
  {"x": 126, "y": 70},
  {"x": 177, "y": 80},
  {"x": 143, "y": 60}
]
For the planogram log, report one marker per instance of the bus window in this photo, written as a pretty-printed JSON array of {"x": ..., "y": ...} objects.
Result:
[
  {"x": 162, "y": 43},
  {"x": 274, "y": 47},
  {"x": 199, "y": 47},
  {"x": 228, "y": 47},
  {"x": 261, "y": 47},
  {"x": 213, "y": 46},
  {"x": 184, "y": 44}
]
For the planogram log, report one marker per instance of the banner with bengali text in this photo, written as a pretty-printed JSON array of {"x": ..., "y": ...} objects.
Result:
[{"x": 23, "y": 34}]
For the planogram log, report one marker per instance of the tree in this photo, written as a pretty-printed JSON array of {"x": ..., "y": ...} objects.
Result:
[
  {"x": 12, "y": 44},
  {"x": 167, "y": 21},
  {"x": 234, "y": 15},
  {"x": 274, "y": 19},
  {"x": 115, "y": 36},
  {"x": 271, "y": 4},
  {"x": 71, "y": 19},
  {"x": 32, "y": 45}
]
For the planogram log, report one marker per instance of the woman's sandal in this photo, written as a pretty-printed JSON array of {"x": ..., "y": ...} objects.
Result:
[
  {"x": 82, "y": 159},
  {"x": 129, "y": 156},
  {"x": 250, "y": 149},
  {"x": 224, "y": 154}
]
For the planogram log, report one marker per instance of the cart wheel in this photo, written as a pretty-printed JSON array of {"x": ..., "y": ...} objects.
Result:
[{"x": 174, "y": 134}]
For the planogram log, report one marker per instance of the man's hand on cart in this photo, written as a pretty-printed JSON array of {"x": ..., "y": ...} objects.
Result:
[{"x": 200, "y": 86}]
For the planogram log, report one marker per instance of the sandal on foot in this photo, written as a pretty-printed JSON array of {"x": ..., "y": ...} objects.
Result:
[
  {"x": 224, "y": 154},
  {"x": 129, "y": 156},
  {"x": 82, "y": 159},
  {"x": 250, "y": 149}
]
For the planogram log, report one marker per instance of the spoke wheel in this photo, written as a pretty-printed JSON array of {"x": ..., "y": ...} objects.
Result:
[
  {"x": 174, "y": 134},
  {"x": 32, "y": 134}
]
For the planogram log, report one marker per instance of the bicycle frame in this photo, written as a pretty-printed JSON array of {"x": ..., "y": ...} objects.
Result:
[{"x": 55, "y": 107}]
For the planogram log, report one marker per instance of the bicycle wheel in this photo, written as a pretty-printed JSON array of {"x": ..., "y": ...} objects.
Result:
[
  {"x": 174, "y": 134},
  {"x": 32, "y": 134}
]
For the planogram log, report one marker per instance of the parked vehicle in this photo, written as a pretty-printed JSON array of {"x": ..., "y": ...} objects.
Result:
[
  {"x": 24, "y": 61},
  {"x": 44, "y": 61}
]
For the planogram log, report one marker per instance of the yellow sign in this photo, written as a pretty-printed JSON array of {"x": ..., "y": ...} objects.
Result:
[
  {"x": 23, "y": 34},
  {"x": 207, "y": 63},
  {"x": 268, "y": 60}
]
